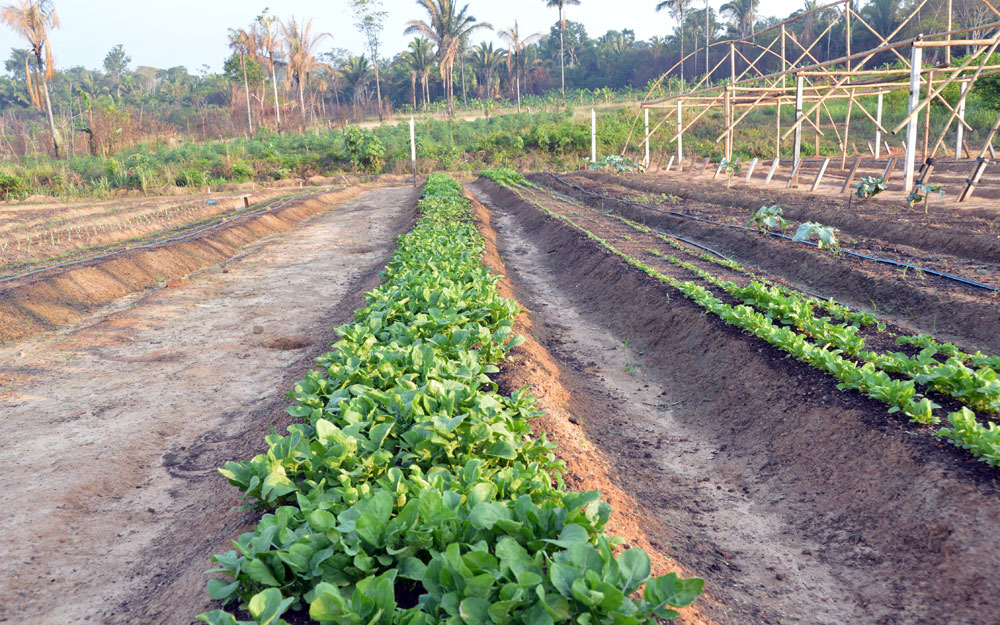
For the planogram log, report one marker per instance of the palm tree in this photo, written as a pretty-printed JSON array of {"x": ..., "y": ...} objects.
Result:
[
  {"x": 33, "y": 19},
  {"x": 485, "y": 61},
  {"x": 446, "y": 27},
  {"x": 515, "y": 50},
  {"x": 677, "y": 7},
  {"x": 301, "y": 46},
  {"x": 419, "y": 59},
  {"x": 356, "y": 72},
  {"x": 272, "y": 45},
  {"x": 241, "y": 42},
  {"x": 743, "y": 13},
  {"x": 561, "y": 4}
]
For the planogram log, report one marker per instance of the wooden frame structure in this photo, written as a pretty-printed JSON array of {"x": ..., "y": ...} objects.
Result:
[{"x": 808, "y": 84}]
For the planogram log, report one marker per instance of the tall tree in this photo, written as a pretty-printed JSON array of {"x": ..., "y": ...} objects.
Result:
[
  {"x": 33, "y": 19},
  {"x": 677, "y": 8},
  {"x": 515, "y": 46},
  {"x": 301, "y": 45},
  {"x": 485, "y": 61},
  {"x": 116, "y": 64},
  {"x": 446, "y": 26},
  {"x": 420, "y": 59},
  {"x": 272, "y": 45},
  {"x": 561, "y": 4},
  {"x": 241, "y": 42},
  {"x": 370, "y": 20}
]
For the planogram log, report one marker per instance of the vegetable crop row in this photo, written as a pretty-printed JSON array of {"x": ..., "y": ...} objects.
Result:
[
  {"x": 411, "y": 492},
  {"x": 966, "y": 432}
]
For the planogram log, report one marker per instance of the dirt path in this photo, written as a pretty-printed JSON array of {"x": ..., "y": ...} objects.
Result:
[
  {"x": 798, "y": 502},
  {"x": 114, "y": 428}
]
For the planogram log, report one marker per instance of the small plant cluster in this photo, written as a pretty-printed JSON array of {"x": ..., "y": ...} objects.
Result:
[
  {"x": 870, "y": 186},
  {"x": 616, "y": 163},
  {"x": 411, "y": 493},
  {"x": 769, "y": 218},
  {"x": 503, "y": 176},
  {"x": 922, "y": 193},
  {"x": 730, "y": 168}
]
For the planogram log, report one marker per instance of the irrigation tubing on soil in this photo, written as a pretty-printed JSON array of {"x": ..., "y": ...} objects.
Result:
[
  {"x": 265, "y": 209},
  {"x": 885, "y": 261}
]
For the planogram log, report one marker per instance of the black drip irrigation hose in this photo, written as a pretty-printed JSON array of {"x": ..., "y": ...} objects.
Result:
[
  {"x": 885, "y": 261},
  {"x": 265, "y": 209},
  {"x": 704, "y": 247}
]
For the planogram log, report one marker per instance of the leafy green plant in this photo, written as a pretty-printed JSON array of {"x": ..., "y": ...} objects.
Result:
[
  {"x": 826, "y": 236},
  {"x": 616, "y": 163},
  {"x": 922, "y": 192},
  {"x": 730, "y": 167},
  {"x": 12, "y": 187},
  {"x": 870, "y": 186},
  {"x": 769, "y": 217},
  {"x": 410, "y": 476},
  {"x": 364, "y": 149}
]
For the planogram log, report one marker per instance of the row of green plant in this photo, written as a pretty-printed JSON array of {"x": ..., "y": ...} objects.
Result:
[
  {"x": 978, "y": 387},
  {"x": 868, "y": 378},
  {"x": 411, "y": 492}
]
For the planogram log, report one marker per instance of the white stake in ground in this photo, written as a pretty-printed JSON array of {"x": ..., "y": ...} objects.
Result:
[
  {"x": 413, "y": 153},
  {"x": 878, "y": 123},
  {"x": 593, "y": 136},
  {"x": 916, "y": 58},
  {"x": 960, "y": 134},
  {"x": 645, "y": 162}
]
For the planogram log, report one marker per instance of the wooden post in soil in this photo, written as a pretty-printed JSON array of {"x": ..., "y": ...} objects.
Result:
[
  {"x": 916, "y": 59},
  {"x": 777, "y": 127},
  {"x": 816, "y": 136},
  {"x": 947, "y": 48},
  {"x": 645, "y": 160},
  {"x": 593, "y": 136}
]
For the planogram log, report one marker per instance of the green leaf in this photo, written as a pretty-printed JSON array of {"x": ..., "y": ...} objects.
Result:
[
  {"x": 267, "y": 607},
  {"x": 329, "y": 606},
  {"x": 634, "y": 567},
  {"x": 219, "y": 589},
  {"x": 562, "y": 577},
  {"x": 571, "y": 534},
  {"x": 485, "y": 515},
  {"x": 474, "y": 611},
  {"x": 260, "y": 572},
  {"x": 673, "y": 591}
]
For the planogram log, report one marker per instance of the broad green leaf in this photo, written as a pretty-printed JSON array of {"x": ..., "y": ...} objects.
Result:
[{"x": 267, "y": 607}]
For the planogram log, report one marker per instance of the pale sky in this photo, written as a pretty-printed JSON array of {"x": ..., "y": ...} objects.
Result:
[{"x": 192, "y": 33}]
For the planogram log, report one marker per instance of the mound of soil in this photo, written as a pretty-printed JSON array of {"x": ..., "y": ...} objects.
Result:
[{"x": 57, "y": 297}]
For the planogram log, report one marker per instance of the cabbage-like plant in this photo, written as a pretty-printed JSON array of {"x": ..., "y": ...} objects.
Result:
[
  {"x": 922, "y": 192},
  {"x": 826, "y": 236},
  {"x": 870, "y": 186},
  {"x": 768, "y": 217}
]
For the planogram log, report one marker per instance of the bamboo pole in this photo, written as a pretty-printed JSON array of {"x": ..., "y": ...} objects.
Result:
[
  {"x": 797, "y": 150},
  {"x": 927, "y": 118},
  {"x": 947, "y": 48},
  {"x": 680, "y": 133},
  {"x": 847, "y": 133},
  {"x": 960, "y": 129}
]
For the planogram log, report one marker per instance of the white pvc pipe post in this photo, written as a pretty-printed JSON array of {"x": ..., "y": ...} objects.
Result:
[
  {"x": 916, "y": 59},
  {"x": 413, "y": 152},
  {"x": 680, "y": 135},
  {"x": 593, "y": 136},
  {"x": 646, "y": 161},
  {"x": 878, "y": 131},
  {"x": 960, "y": 135},
  {"x": 797, "y": 149}
]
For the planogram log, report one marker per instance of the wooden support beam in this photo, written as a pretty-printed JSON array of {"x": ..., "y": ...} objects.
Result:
[
  {"x": 797, "y": 149},
  {"x": 847, "y": 132},
  {"x": 680, "y": 133},
  {"x": 795, "y": 174},
  {"x": 850, "y": 176},
  {"x": 970, "y": 184},
  {"x": 819, "y": 175},
  {"x": 753, "y": 165},
  {"x": 960, "y": 129},
  {"x": 889, "y": 168},
  {"x": 926, "y": 170},
  {"x": 878, "y": 127},
  {"x": 666, "y": 170},
  {"x": 770, "y": 174},
  {"x": 704, "y": 167},
  {"x": 719, "y": 169}
]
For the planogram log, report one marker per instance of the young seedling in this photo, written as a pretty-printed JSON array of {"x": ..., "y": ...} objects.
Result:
[
  {"x": 826, "y": 236},
  {"x": 768, "y": 217},
  {"x": 868, "y": 187},
  {"x": 923, "y": 192},
  {"x": 731, "y": 168}
]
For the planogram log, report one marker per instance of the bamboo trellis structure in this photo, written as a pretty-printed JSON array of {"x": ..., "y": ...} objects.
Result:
[{"x": 808, "y": 85}]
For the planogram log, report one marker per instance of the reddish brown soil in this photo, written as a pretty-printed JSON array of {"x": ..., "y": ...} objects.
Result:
[
  {"x": 60, "y": 296},
  {"x": 922, "y": 303},
  {"x": 797, "y": 501},
  {"x": 532, "y": 366}
]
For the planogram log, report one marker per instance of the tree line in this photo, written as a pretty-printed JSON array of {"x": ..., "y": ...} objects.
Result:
[{"x": 285, "y": 74}]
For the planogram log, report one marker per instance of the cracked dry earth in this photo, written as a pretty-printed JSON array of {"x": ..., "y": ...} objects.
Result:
[{"x": 114, "y": 427}]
